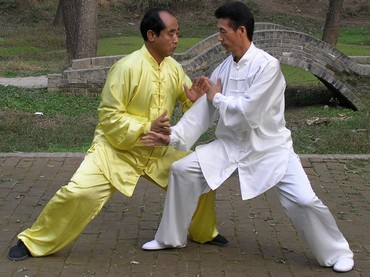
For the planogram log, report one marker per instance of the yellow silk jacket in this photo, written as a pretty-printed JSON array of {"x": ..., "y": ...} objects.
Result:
[{"x": 136, "y": 92}]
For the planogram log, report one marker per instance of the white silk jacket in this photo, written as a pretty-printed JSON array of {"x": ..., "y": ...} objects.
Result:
[{"x": 251, "y": 135}]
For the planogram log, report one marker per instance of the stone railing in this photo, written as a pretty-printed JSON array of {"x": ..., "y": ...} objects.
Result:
[{"x": 347, "y": 77}]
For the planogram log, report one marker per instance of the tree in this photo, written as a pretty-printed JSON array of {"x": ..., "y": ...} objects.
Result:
[
  {"x": 331, "y": 28},
  {"x": 58, "y": 18},
  {"x": 81, "y": 26}
]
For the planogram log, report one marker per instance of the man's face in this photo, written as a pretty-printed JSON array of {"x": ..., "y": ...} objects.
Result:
[
  {"x": 230, "y": 39},
  {"x": 166, "y": 43}
]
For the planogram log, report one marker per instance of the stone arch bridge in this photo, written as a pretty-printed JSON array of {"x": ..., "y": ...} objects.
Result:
[{"x": 348, "y": 78}]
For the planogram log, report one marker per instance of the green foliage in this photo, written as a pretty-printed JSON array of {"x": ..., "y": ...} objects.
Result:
[
  {"x": 143, "y": 5},
  {"x": 318, "y": 130},
  {"x": 30, "y": 133},
  {"x": 28, "y": 12},
  {"x": 125, "y": 45},
  {"x": 7, "y": 5},
  {"x": 25, "y": 52},
  {"x": 18, "y": 51},
  {"x": 44, "y": 38},
  {"x": 349, "y": 50},
  {"x": 30, "y": 46},
  {"x": 176, "y": 5},
  {"x": 40, "y": 100},
  {"x": 296, "y": 76},
  {"x": 298, "y": 22},
  {"x": 321, "y": 130},
  {"x": 67, "y": 123},
  {"x": 357, "y": 36},
  {"x": 354, "y": 41}
]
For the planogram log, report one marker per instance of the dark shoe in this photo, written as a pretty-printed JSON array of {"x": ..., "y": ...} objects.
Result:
[
  {"x": 18, "y": 252},
  {"x": 219, "y": 240}
]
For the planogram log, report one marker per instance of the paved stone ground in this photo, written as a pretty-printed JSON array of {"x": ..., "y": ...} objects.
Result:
[
  {"x": 262, "y": 239},
  {"x": 25, "y": 82}
]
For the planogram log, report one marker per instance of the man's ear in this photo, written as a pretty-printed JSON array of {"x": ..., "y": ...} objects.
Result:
[
  {"x": 243, "y": 30},
  {"x": 151, "y": 35}
]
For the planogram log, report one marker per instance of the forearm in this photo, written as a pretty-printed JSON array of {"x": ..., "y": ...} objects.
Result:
[{"x": 122, "y": 130}]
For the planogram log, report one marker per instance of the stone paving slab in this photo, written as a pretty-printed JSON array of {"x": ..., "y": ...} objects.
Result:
[
  {"x": 262, "y": 239},
  {"x": 26, "y": 82}
]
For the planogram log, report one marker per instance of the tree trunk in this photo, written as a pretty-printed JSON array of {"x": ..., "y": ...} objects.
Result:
[
  {"x": 70, "y": 23},
  {"x": 87, "y": 29},
  {"x": 331, "y": 28},
  {"x": 58, "y": 18},
  {"x": 80, "y": 23}
]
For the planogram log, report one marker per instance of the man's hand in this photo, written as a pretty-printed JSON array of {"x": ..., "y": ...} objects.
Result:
[
  {"x": 210, "y": 88},
  {"x": 161, "y": 125},
  {"x": 155, "y": 139},
  {"x": 195, "y": 91}
]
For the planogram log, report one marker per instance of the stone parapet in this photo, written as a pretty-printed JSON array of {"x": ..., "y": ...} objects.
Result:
[{"x": 347, "y": 77}]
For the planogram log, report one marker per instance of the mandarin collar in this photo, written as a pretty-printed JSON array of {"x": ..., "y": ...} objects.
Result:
[
  {"x": 150, "y": 58},
  {"x": 247, "y": 56}
]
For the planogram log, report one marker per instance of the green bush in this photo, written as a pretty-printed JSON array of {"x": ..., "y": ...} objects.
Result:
[{"x": 7, "y": 5}]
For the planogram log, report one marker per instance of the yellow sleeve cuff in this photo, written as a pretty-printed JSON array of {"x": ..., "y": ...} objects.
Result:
[{"x": 148, "y": 125}]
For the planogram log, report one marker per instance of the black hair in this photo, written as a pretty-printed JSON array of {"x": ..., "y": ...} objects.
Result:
[
  {"x": 152, "y": 21},
  {"x": 239, "y": 15}
]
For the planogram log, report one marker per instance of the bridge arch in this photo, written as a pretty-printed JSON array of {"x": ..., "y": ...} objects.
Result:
[{"x": 342, "y": 75}]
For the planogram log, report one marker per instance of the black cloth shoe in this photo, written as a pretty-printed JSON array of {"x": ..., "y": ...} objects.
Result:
[
  {"x": 219, "y": 240},
  {"x": 18, "y": 252}
]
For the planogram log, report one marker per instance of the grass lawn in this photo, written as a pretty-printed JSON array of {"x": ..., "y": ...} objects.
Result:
[{"x": 68, "y": 122}]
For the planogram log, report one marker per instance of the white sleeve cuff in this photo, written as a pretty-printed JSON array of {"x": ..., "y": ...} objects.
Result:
[
  {"x": 217, "y": 100},
  {"x": 174, "y": 141}
]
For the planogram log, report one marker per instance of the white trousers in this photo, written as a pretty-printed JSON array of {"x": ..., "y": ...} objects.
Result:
[{"x": 311, "y": 218}]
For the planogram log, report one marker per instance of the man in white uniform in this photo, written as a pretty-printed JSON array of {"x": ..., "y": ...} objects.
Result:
[{"x": 246, "y": 92}]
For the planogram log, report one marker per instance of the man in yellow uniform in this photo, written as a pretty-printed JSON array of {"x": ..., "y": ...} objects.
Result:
[{"x": 139, "y": 95}]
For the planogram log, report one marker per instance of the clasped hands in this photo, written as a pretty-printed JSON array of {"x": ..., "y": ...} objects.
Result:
[
  {"x": 203, "y": 85},
  {"x": 159, "y": 134},
  {"x": 160, "y": 130}
]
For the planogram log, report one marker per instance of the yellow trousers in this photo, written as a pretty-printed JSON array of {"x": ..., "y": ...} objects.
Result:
[{"x": 76, "y": 204}]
